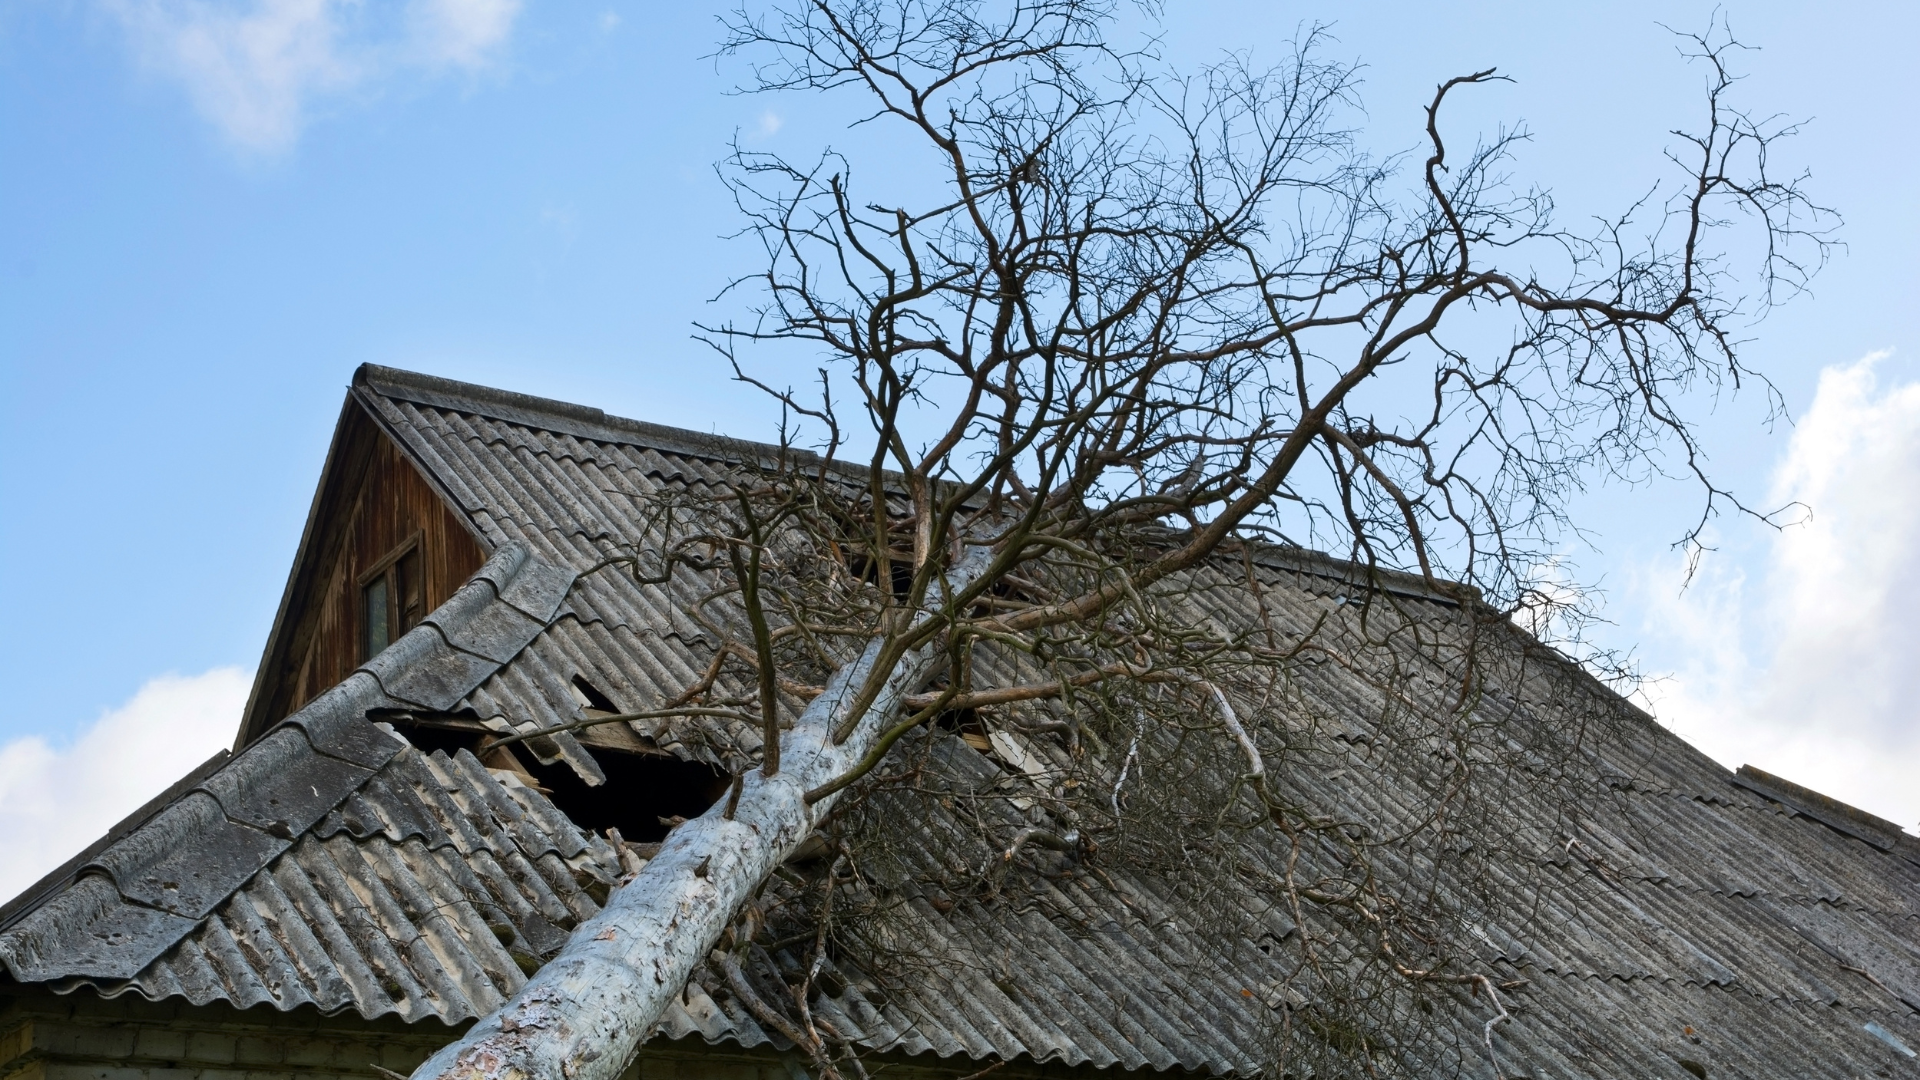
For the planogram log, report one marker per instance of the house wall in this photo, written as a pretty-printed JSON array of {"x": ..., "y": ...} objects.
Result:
[
  {"x": 79, "y": 1036},
  {"x": 82, "y": 1037},
  {"x": 391, "y": 503}
]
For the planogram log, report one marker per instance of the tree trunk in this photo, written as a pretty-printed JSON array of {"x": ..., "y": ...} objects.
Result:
[{"x": 582, "y": 1016}]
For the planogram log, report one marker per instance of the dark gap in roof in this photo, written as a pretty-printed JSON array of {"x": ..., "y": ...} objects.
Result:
[
  {"x": 862, "y": 558},
  {"x": 899, "y": 570},
  {"x": 429, "y": 737},
  {"x": 960, "y": 720},
  {"x": 1011, "y": 593},
  {"x": 641, "y": 788},
  {"x": 590, "y": 696},
  {"x": 967, "y": 724}
]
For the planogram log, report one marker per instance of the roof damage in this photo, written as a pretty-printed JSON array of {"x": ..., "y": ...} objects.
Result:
[{"x": 345, "y": 862}]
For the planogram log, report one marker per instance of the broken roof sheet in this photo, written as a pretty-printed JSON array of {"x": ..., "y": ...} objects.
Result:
[{"x": 1700, "y": 916}]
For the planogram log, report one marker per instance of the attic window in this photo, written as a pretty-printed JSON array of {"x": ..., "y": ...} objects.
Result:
[{"x": 393, "y": 598}]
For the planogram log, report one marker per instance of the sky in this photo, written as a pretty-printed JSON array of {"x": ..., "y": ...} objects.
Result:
[{"x": 211, "y": 211}]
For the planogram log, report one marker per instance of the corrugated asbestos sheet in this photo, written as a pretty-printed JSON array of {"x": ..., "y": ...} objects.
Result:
[
  {"x": 1699, "y": 918},
  {"x": 329, "y": 863}
]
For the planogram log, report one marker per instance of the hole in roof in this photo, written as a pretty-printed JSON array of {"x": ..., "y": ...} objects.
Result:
[
  {"x": 1011, "y": 593},
  {"x": 641, "y": 788},
  {"x": 589, "y": 696},
  {"x": 899, "y": 571},
  {"x": 967, "y": 724}
]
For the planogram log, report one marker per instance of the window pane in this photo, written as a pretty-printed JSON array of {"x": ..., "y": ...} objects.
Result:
[
  {"x": 409, "y": 591},
  {"x": 373, "y": 606}
]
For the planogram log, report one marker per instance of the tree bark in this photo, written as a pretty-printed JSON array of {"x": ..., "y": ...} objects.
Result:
[{"x": 582, "y": 1016}]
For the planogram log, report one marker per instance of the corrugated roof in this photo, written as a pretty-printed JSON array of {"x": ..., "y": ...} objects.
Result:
[
  {"x": 1695, "y": 917},
  {"x": 116, "y": 912}
]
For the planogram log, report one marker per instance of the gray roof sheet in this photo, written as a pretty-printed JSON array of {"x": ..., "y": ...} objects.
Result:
[{"x": 329, "y": 863}]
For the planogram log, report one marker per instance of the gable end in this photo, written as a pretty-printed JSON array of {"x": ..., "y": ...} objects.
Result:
[{"x": 374, "y": 504}]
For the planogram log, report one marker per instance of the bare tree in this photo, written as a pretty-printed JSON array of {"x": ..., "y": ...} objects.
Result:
[{"x": 1124, "y": 330}]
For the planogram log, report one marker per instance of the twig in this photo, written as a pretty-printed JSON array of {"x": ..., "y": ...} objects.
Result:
[
  {"x": 977, "y": 1075},
  {"x": 1133, "y": 748},
  {"x": 1486, "y": 1032},
  {"x": 596, "y": 721},
  {"x": 755, "y": 1004}
]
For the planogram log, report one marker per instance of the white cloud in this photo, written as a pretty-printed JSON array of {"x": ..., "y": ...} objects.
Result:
[
  {"x": 563, "y": 221},
  {"x": 462, "y": 33},
  {"x": 1810, "y": 667},
  {"x": 56, "y": 801},
  {"x": 770, "y": 124},
  {"x": 248, "y": 71},
  {"x": 255, "y": 68}
]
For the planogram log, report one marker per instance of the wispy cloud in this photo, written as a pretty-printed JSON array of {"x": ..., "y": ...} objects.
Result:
[
  {"x": 256, "y": 68},
  {"x": 462, "y": 33},
  {"x": 55, "y": 801},
  {"x": 1810, "y": 668},
  {"x": 562, "y": 221},
  {"x": 248, "y": 71}
]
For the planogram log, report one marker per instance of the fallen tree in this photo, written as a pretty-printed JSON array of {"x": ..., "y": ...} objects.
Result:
[
  {"x": 594, "y": 1002},
  {"x": 1129, "y": 326}
]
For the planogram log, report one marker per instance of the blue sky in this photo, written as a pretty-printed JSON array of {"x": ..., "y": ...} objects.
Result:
[{"x": 212, "y": 210}]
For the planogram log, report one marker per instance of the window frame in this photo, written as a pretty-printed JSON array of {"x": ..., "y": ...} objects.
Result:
[{"x": 383, "y": 568}]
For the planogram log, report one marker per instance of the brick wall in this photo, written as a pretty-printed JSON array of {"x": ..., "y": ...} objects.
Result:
[{"x": 80, "y": 1036}]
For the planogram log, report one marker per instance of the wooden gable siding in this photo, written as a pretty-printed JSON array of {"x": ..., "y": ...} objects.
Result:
[
  {"x": 393, "y": 505},
  {"x": 372, "y": 499}
]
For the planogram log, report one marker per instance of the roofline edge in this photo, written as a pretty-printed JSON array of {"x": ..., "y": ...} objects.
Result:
[{"x": 585, "y": 421}]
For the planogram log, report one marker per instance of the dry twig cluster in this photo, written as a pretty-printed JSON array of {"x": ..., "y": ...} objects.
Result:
[{"x": 1142, "y": 340}]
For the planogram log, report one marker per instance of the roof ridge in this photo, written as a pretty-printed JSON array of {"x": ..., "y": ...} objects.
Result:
[
  {"x": 567, "y": 417},
  {"x": 1870, "y": 828},
  {"x": 585, "y": 421}
]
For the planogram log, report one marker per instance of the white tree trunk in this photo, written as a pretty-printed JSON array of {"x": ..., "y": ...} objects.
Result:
[{"x": 582, "y": 1016}]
